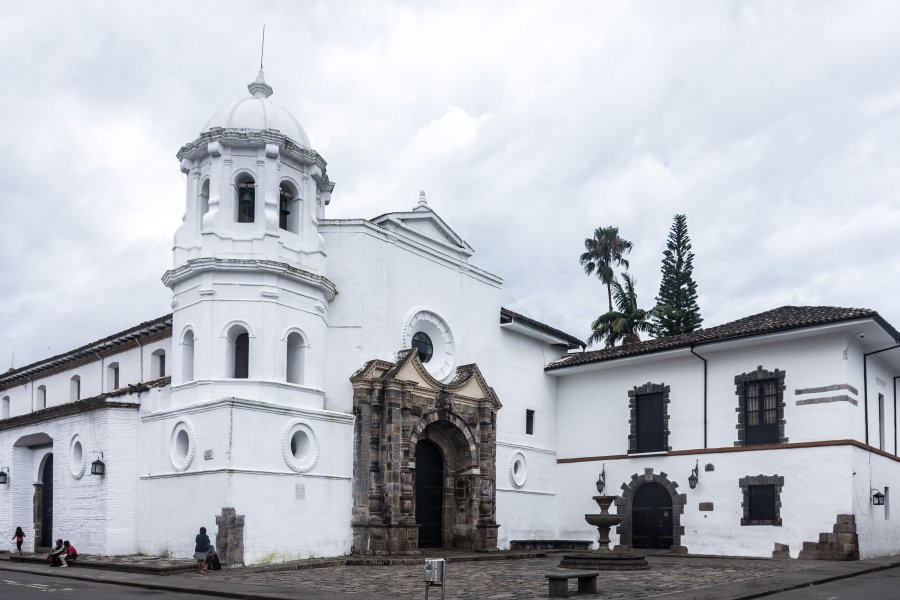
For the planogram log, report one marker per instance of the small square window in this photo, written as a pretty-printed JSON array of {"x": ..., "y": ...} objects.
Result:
[
  {"x": 762, "y": 502},
  {"x": 762, "y": 499},
  {"x": 529, "y": 422}
]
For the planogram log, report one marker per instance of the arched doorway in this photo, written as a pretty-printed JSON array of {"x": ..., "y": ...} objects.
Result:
[
  {"x": 46, "y": 502},
  {"x": 651, "y": 517},
  {"x": 429, "y": 494}
]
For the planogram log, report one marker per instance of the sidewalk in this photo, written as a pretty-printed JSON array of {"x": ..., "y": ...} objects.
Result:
[{"x": 470, "y": 577}]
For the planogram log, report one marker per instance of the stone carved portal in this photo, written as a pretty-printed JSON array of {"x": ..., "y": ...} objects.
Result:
[{"x": 398, "y": 405}]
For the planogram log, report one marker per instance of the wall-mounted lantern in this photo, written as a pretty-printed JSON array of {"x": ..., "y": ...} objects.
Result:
[
  {"x": 98, "y": 467},
  {"x": 4, "y": 475},
  {"x": 877, "y": 498},
  {"x": 695, "y": 475}
]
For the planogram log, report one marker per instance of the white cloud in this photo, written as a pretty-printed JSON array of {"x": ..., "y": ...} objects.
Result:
[{"x": 774, "y": 126}]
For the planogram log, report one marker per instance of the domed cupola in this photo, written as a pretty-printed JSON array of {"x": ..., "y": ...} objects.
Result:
[
  {"x": 255, "y": 186},
  {"x": 258, "y": 112}
]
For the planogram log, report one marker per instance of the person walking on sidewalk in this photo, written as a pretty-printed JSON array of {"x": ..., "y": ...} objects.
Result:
[
  {"x": 20, "y": 538},
  {"x": 201, "y": 548}
]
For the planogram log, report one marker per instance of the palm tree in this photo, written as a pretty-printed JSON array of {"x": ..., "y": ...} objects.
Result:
[
  {"x": 603, "y": 251},
  {"x": 627, "y": 322}
]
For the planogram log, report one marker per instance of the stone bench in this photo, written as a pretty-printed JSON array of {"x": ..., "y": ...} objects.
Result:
[{"x": 559, "y": 582}]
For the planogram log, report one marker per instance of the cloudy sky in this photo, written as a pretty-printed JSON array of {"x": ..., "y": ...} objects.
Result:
[{"x": 775, "y": 126}]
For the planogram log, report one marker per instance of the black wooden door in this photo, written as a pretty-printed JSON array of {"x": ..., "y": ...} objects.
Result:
[
  {"x": 429, "y": 494},
  {"x": 651, "y": 517},
  {"x": 47, "y": 503}
]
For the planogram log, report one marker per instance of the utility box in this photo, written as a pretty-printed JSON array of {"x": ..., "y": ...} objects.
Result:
[
  {"x": 434, "y": 571},
  {"x": 434, "y": 575}
]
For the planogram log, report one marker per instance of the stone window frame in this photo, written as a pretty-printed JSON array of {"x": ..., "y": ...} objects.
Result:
[
  {"x": 759, "y": 374},
  {"x": 751, "y": 480},
  {"x": 647, "y": 388}
]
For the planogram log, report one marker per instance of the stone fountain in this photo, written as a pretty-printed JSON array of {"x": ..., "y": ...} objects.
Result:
[{"x": 603, "y": 559}]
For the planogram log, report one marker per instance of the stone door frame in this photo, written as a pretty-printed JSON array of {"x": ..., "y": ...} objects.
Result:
[
  {"x": 624, "y": 505},
  {"x": 397, "y": 404}
]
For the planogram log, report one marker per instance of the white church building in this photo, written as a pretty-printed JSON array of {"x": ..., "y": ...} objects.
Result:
[{"x": 327, "y": 386}]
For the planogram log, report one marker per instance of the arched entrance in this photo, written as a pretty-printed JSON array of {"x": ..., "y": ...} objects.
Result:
[
  {"x": 651, "y": 517},
  {"x": 424, "y": 465},
  {"x": 429, "y": 494},
  {"x": 44, "y": 500},
  {"x": 648, "y": 519}
]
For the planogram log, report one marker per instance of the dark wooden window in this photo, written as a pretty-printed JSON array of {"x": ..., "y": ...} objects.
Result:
[
  {"x": 762, "y": 499},
  {"x": 242, "y": 356},
  {"x": 529, "y": 422},
  {"x": 422, "y": 343},
  {"x": 761, "y": 412},
  {"x": 650, "y": 432}
]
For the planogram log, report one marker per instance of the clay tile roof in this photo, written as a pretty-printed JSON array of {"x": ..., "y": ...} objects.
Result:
[
  {"x": 508, "y": 316},
  {"x": 779, "y": 319},
  {"x": 156, "y": 326}
]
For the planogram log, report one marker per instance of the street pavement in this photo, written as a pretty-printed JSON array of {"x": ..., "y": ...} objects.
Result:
[
  {"x": 882, "y": 585},
  {"x": 28, "y": 586},
  {"x": 490, "y": 577}
]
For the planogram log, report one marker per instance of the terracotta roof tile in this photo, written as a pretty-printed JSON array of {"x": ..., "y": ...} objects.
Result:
[{"x": 779, "y": 319}]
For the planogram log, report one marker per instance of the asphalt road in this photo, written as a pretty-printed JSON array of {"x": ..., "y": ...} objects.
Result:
[
  {"x": 16, "y": 586},
  {"x": 881, "y": 585}
]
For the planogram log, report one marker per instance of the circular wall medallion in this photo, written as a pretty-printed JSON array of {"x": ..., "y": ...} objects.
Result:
[
  {"x": 76, "y": 457},
  {"x": 300, "y": 447},
  {"x": 518, "y": 470},
  {"x": 181, "y": 445},
  {"x": 424, "y": 325}
]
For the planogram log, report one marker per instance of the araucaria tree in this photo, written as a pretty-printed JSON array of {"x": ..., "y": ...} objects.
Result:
[
  {"x": 602, "y": 252},
  {"x": 627, "y": 322},
  {"x": 676, "y": 309}
]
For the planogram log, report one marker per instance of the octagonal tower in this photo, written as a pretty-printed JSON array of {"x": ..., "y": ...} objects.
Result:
[{"x": 249, "y": 292}]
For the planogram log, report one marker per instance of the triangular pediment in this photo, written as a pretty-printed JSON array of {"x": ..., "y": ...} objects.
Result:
[
  {"x": 408, "y": 370},
  {"x": 422, "y": 225}
]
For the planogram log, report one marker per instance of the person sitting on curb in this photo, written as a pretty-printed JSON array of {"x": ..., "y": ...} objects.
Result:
[
  {"x": 71, "y": 552},
  {"x": 57, "y": 557}
]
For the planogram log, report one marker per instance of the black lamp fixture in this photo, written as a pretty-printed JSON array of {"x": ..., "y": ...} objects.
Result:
[
  {"x": 695, "y": 475},
  {"x": 4, "y": 475},
  {"x": 877, "y": 498},
  {"x": 98, "y": 467}
]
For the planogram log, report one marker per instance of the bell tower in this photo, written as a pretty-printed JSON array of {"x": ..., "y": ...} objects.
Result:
[{"x": 250, "y": 295}]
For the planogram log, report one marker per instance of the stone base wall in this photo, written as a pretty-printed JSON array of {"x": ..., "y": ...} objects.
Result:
[
  {"x": 841, "y": 544},
  {"x": 386, "y": 539}
]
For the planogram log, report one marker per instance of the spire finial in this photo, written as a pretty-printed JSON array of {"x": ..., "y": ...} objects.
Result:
[
  {"x": 422, "y": 201},
  {"x": 259, "y": 88},
  {"x": 262, "y": 49}
]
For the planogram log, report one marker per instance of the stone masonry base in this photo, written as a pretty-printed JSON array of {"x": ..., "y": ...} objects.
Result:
[{"x": 841, "y": 544}]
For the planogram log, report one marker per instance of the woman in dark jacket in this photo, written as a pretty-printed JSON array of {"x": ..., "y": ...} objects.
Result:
[{"x": 201, "y": 547}]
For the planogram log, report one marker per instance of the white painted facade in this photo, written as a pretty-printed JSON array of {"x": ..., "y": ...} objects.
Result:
[
  {"x": 825, "y": 474},
  {"x": 185, "y": 433}
]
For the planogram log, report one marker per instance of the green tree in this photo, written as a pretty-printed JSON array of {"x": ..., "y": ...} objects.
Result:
[
  {"x": 602, "y": 252},
  {"x": 676, "y": 309},
  {"x": 627, "y": 322}
]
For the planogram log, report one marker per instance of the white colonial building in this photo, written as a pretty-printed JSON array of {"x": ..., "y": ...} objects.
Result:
[{"x": 329, "y": 386}]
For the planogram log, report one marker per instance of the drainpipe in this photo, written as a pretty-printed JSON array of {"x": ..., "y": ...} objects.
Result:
[
  {"x": 705, "y": 422},
  {"x": 31, "y": 382},
  {"x": 866, "y": 385}
]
